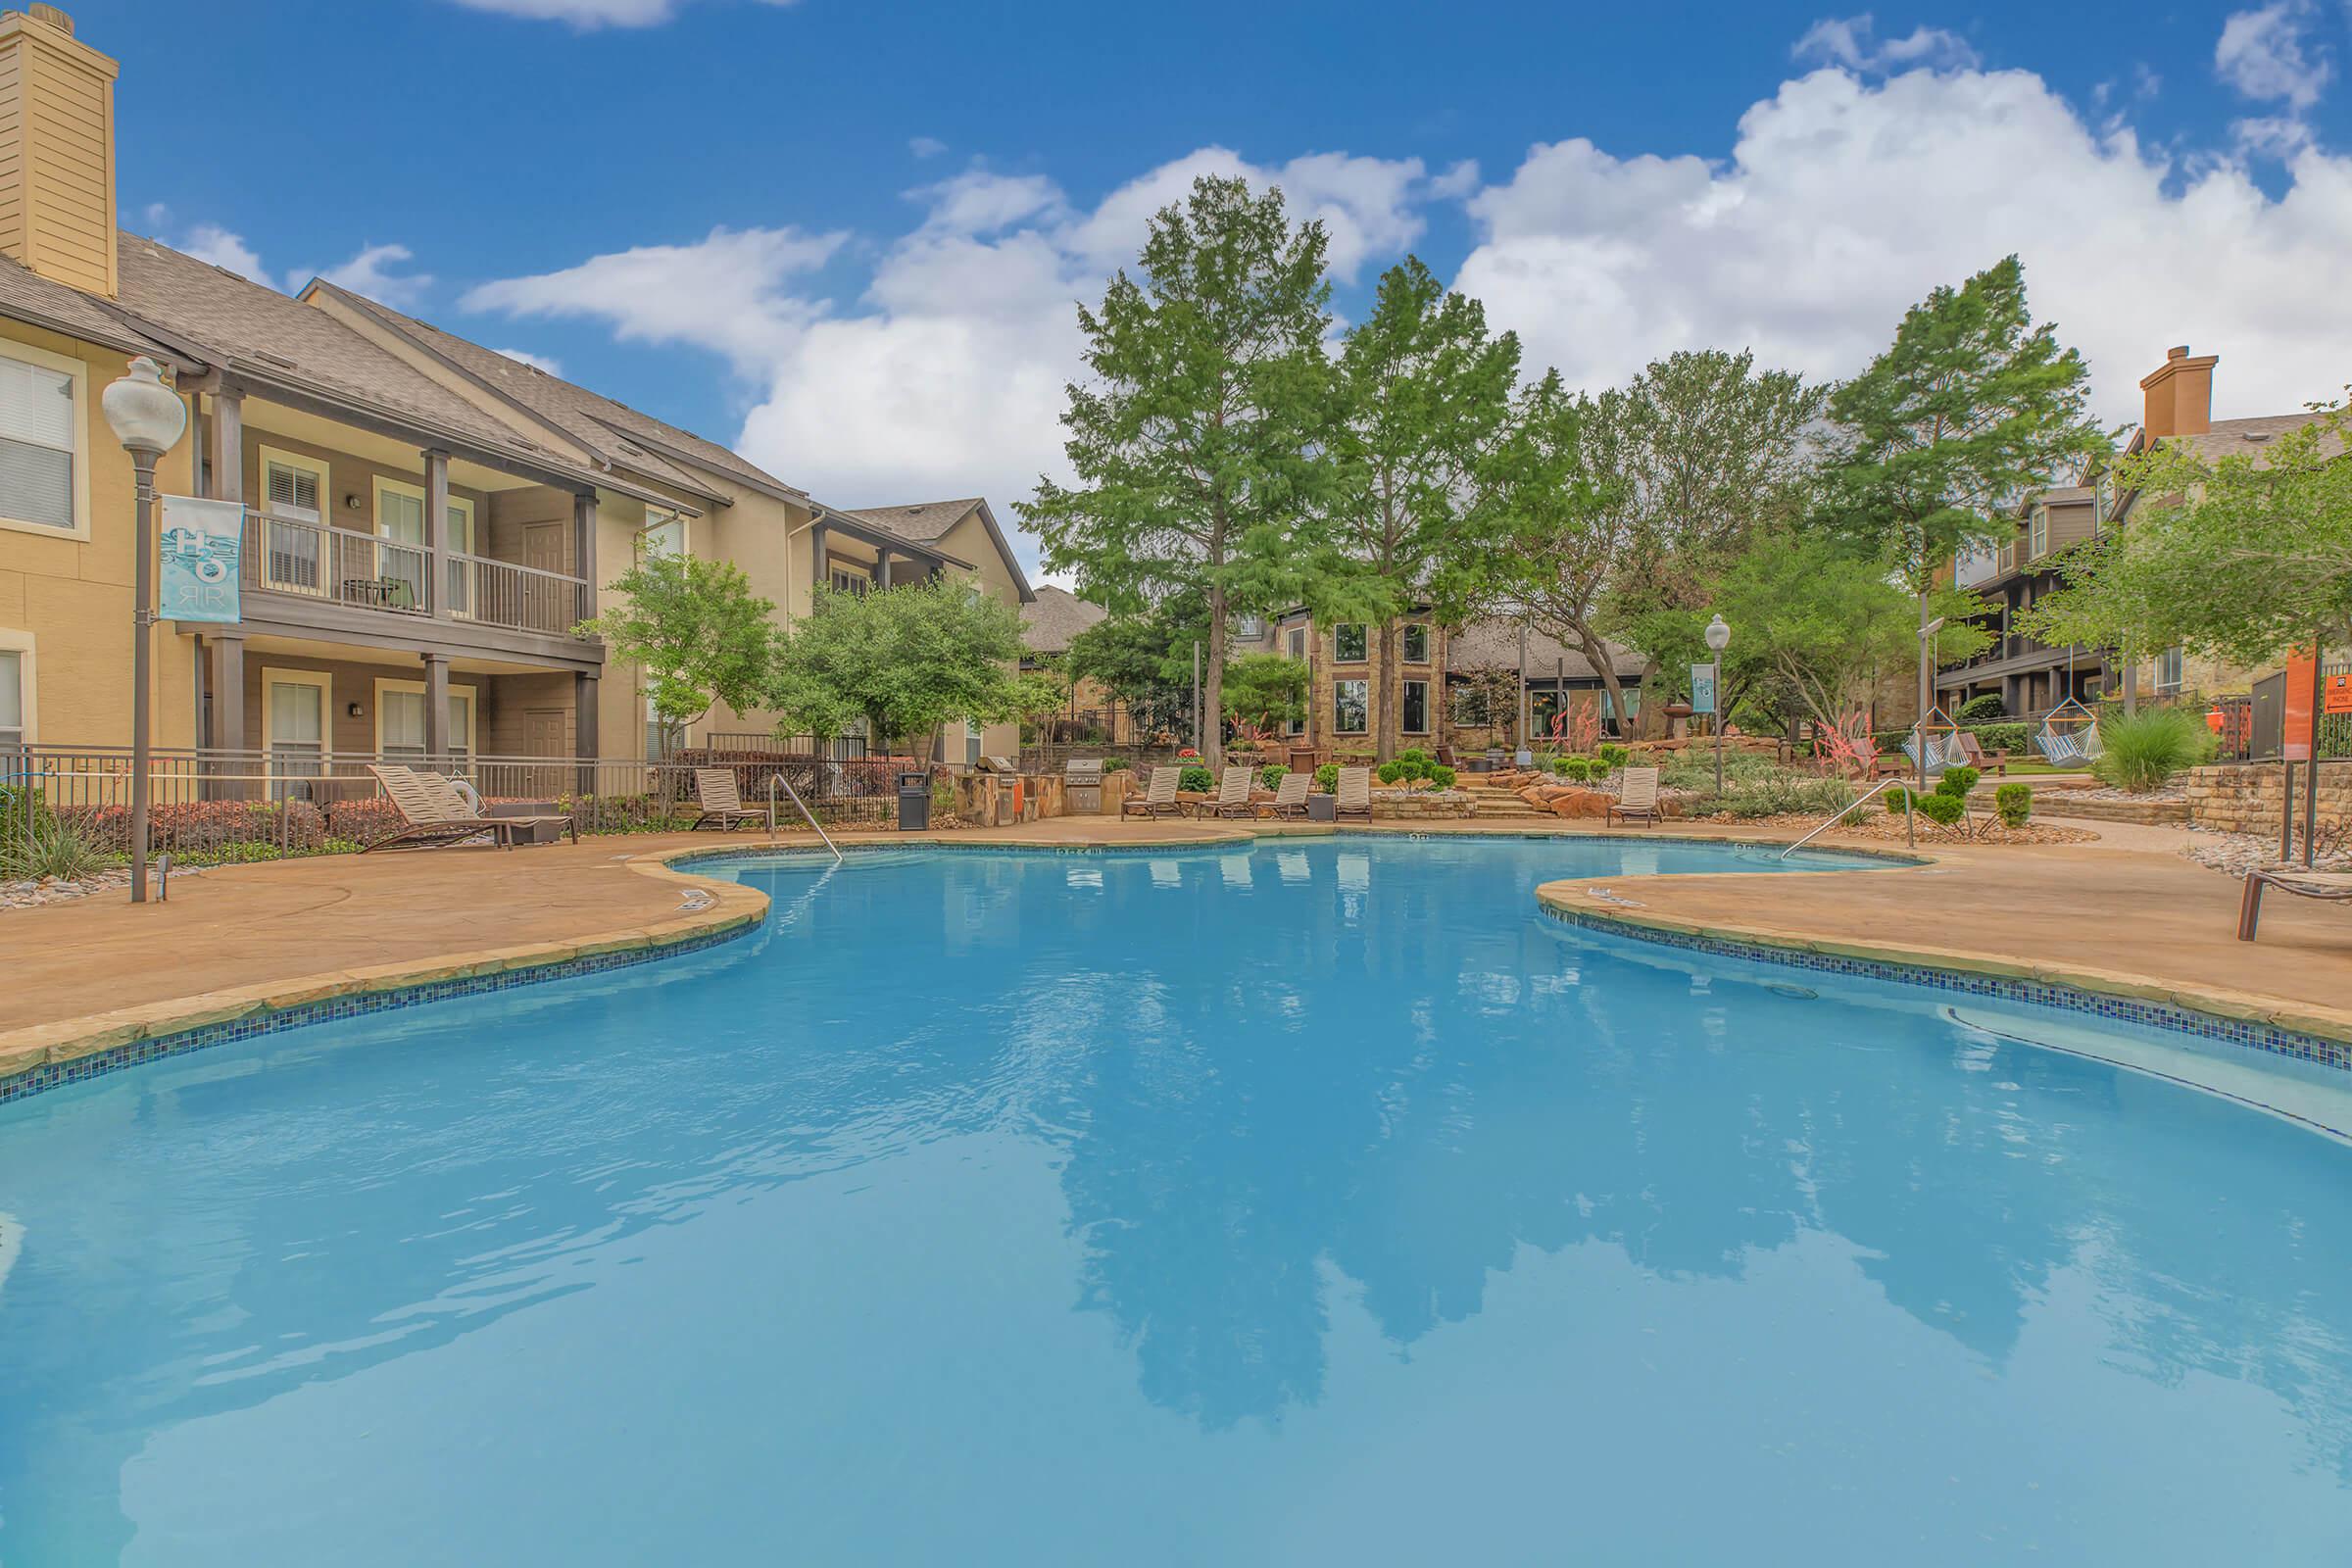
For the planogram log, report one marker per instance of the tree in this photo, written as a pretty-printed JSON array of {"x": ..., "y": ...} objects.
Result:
[
  {"x": 1421, "y": 398},
  {"x": 1263, "y": 690},
  {"x": 1145, "y": 659},
  {"x": 2243, "y": 558},
  {"x": 1196, "y": 445},
  {"x": 1564, "y": 517},
  {"x": 903, "y": 659},
  {"x": 1972, "y": 407},
  {"x": 697, "y": 631}
]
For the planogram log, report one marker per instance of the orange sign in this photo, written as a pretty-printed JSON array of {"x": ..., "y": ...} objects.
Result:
[{"x": 2336, "y": 697}]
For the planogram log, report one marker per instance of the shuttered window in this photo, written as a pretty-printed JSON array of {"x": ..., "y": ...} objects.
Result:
[
  {"x": 293, "y": 492},
  {"x": 37, "y": 444}
]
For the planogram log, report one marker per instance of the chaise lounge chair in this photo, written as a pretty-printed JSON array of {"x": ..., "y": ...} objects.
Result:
[
  {"x": 1289, "y": 795},
  {"x": 1355, "y": 794},
  {"x": 2332, "y": 886},
  {"x": 428, "y": 817},
  {"x": 1233, "y": 795},
  {"x": 459, "y": 798},
  {"x": 1636, "y": 798},
  {"x": 1158, "y": 798},
  {"x": 723, "y": 801}
]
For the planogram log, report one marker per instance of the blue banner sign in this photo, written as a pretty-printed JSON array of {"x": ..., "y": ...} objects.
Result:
[
  {"x": 201, "y": 544},
  {"x": 1702, "y": 688}
]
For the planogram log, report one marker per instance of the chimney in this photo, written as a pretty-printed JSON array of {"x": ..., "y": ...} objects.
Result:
[
  {"x": 2180, "y": 394},
  {"x": 57, "y": 166}
]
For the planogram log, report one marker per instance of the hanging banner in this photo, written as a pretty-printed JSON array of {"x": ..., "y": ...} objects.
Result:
[
  {"x": 201, "y": 544},
  {"x": 1702, "y": 688}
]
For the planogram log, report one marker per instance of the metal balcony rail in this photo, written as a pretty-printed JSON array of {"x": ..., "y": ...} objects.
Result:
[{"x": 315, "y": 560}]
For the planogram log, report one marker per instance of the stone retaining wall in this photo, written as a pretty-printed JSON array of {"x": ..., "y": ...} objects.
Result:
[
  {"x": 2246, "y": 797},
  {"x": 1422, "y": 805}
]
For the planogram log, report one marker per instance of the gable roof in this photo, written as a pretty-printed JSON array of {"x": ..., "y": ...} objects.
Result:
[
  {"x": 26, "y": 296},
  {"x": 925, "y": 523},
  {"x": 1493, "y": 644},
  {"x": 615, "y": 432},
  {"x": 1055, "y": 617}
]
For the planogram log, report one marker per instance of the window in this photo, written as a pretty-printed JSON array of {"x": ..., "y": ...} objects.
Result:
[
  {"x": 400, "y": 521},
  {"x": 400, "y": 720},
  {"x": 2168, "y": 670},
  {"x": 1416, "y": 643},
  {"x": 40, "y": 434},
  {"x": 295, "y": 729},
  {"x": 293, "y": 487},
  {"x": 16, "y": 691},
  {"x": 2102, "y": 507},
  {"x": 846, "y": 581},
  {"x": 1348, "y": 707},
  {"x": 1250, "y": 628},
  {"x": 2039, "y": 538},
  {"x": 1348, "y": 644},
  {"x": 293, "y": 502},
  {"x": 1298, "y": 642},
  {"x": 1416, "y": 708},
  {"x": 664, "y": 533}
]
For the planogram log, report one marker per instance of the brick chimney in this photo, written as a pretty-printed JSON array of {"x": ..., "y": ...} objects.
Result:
[
  {"x": 57, "y": 166},
  {"x": 2180, "y": 394}
]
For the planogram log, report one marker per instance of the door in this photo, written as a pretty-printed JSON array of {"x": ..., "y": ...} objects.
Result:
[
  {"x": 545, "y": 733},
  {"x": 295, "y": 716},
  {"x": 543, "y": 547},
  {"x": 400, "y": 562}
]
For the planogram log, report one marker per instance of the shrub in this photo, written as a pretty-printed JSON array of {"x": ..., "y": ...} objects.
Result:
[
  {"x": 1612, "y": 754},
  {"x": 1573, "y": 769},
  {"x": 2148, "y": 748},
  {"x": 1694, "y": 769},
  {"x": 1943, "y": 809},
  {"x": 1897, "y": 799},
  {"x": 1116, "y": 765},
  {"x": 1957, "y": 782},
  {"x": 2014, "y": 803},
  {"x": 1390, "y": 772},
  {"x": 1414, "y": 756},
  {"x": 2015, "y": 738},
  {"x": 1197, "y": 779},
  {"x": 1979, "y": 709},
  {"x": 1441, "y": 776},
  {"x": 1272, "y": 777},
  {"x": 1327, "y": 778},
  {"x": 1778, "y": 794},
  {"x": 47, "y": 847}
]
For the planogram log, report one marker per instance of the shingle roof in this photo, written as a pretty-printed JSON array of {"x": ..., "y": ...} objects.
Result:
[
  {"x": 921, "y": 521},
  {"x": 1056, "y": 617},
  {"x": 26, "y": 296},
  {"x": 1494, "y": 645},
  {"x": 2243, "y": 438},
  {"x": 614, "y": 432}
]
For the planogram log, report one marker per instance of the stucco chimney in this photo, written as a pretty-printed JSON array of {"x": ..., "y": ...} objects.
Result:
[
  {"x": 57, "y": 166},
  {"x": 2180, "y": 394}
]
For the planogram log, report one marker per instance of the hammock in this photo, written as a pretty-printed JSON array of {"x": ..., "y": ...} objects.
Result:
[
  {"x": 1939, "y": 738},
  {"x": 2077, "y": 741}
]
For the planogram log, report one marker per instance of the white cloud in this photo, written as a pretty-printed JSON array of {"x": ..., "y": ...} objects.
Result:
[
  {"x": 210, "y": 242},
  {"x": 977, "y": 202},
  {"x": 550, "y": 365},
  {"x": 2262, "y": 53},
  {"x": 925, "y": 146},
  {"x": 588, "y": 13},
  {"x": 1845, "y": 201},
  {"x": 1853, "y": 42},
  {"x": 370, "y": 272}
]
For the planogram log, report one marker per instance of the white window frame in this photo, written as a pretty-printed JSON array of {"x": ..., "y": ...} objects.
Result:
[
  {"x": 1363, "y": 631},
  {"x": 28, "y": 354},
  {"x": 848, "y": 580},
  {"x": 2037, "y": 533},
  {"x": 315, "y": 467},
  {"x": 1405, "y": 696},
  {"x": 20, "y": 643},
  {"x": 1365, "y": 728},
  {"x": 272, "y": 675},
  {"x": 656, "y": 520},
  {"x": 1294, "y": 642},
  {"x": 2179, "y": 666},
  {"x": 415, "y": 493},
  {"x": 473, "y": 709}
]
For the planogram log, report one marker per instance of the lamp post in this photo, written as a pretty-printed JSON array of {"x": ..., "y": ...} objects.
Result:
[
  {"x": 147, "y": 417},
  {"x": 1719, "y": 637}
]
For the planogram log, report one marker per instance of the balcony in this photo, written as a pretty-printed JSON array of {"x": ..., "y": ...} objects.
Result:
[{"x": 321, "y": 563}]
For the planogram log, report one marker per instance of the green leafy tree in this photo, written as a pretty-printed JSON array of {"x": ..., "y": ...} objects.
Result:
[
  {"x": 906, "y": 661},
  {"x": 1144, "y": 659},
  {"x": 2242, "y": 559},
  {"x": 1195, "y": 444},
  {"x": 1263, "y": 690},
  {"x": 696, "y": 631},
  {"x": 1972, "y": 406},
  {"x": 1421, "y": 402},
  {"x": 1563, "y": 518}
]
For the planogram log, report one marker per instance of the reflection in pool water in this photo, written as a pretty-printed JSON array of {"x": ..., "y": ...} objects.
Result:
[{"x": 1322, "y": 1203}]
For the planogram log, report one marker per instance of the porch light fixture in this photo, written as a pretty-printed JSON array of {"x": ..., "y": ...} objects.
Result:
[{"x": 148, "y": 418}]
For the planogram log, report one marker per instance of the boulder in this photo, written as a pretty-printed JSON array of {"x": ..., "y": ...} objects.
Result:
[{"x": 1581, "y": 802}]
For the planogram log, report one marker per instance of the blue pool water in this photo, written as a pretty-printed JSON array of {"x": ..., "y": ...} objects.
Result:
[{"x": 1323, "y": 1203}]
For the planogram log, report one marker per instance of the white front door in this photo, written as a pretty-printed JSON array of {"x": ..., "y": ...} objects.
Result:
[{"x": 296, "y": 716}]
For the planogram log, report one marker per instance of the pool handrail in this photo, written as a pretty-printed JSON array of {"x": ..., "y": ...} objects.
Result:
[
  {"x": 1910, "y": 819},
  {"x": 774, "y": 779}
]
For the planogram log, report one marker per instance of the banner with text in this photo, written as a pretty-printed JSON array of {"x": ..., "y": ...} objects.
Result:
[{"x": 201, "y": 544}]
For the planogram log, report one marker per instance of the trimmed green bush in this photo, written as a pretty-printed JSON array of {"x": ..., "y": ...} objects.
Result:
[
  {"x": 2015, "y": 738},
  {"x": 2148, "y": 748},
  {"x": 1612, "y": 754},
  {"x": 1417, "y": 755},
  {"x": 1390, "y": 772},
  {"x": 1981, "y": 710},
  {"x": 1116, "y": 765},
  {"x": 2014, "y": 803},
  {"x": 1957, "y": 782},
  {"x": 1943, "y": 809},
  {"x": 1897, "y": 799},
  {"x": 1575, "y": 769},
  {"x": 1441, "y": 776},
  {"x": 1196, "y": 778},
  {"x": 1327, "y": 778},
  {"x": 1272, "y": 777}
]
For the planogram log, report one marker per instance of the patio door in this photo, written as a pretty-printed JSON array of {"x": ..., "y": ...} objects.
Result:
[
  {"x": 294, "y": 733},
  {"x": 400, "y": 523},
  {"x": 400, "y": 722}
]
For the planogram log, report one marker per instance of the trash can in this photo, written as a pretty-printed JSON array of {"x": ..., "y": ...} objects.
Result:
[
  {"x": 1082, "y": 786},
  {"x": 914, "y": 802}
]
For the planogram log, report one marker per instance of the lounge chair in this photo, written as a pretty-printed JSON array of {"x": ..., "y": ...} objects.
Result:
[
  {"x": 1158, "y": 798},
  {"x": 1355, "y": 794},
  {"x": 1233, "y": 794},
  {"x": 723, "y": 801},
  {"x": 1971, "y": 753},
  {"x": 1637, "y": 796},
  {"x": 461, "y": 799},
  {"x": 2333, "y": 886},
  {"x": 428, "y": 816},
  {"x": 1290, "y": 796}
]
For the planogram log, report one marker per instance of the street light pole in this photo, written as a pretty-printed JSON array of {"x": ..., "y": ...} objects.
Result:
[
  {"x": 1719, "y": 637},
  {"x": 148, "y": 418}
]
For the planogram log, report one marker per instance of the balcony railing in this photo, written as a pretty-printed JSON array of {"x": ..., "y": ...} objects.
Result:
[{"x": 318, "y": 560}]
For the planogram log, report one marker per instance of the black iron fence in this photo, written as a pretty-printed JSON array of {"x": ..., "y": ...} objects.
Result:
[{"x": 837, "y": 748}]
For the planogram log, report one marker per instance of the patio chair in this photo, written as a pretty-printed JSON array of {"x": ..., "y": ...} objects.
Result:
[
  {"x": 1636, "y": 798},
  {"x": 428, "y": 816},
  {"x": 1290, "y": 796},
  {"x": 2335, "y": 887},
  {"x": 461, "y": 799},
  {"x": 1973, "y": 754},
  {"x": 1233, "y": 792},
  {"x": 1355, "y": 794},
  {"x": 723, "y": 801},
  {"x": 1158, "y": 798}
]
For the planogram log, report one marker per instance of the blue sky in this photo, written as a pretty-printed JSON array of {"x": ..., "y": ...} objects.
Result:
[{"x": 847, "y": 237}]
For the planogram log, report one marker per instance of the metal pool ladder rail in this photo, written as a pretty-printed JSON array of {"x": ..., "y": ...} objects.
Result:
[
  {"x": 1910, "y": 819},
  {"x": 774, "y": 779}
]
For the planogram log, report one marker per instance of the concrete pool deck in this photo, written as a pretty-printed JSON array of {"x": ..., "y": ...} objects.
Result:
[{"x": 2125, "y": 915}]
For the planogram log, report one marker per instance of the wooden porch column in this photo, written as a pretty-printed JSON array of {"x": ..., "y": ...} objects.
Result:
[
  {"x": 583, "y": 550},
  {"x": 882, "y": 569},
  {"x": 227, "y": 682},
  {"x": 436, "y": 539},
  {"x": 821, "y": 560},
  {"x": 226, "y": 432},
  {"x": 436, "y": 709},
  {"x": 583, "y": 728}
]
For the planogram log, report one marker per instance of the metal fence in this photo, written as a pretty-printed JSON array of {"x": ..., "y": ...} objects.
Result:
[
  {"x": 213, "y": 806},
  {"x": 836, "y": 748}
]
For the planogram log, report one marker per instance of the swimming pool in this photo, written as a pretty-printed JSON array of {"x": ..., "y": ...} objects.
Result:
[{"x": 1318, "y": 1202}]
